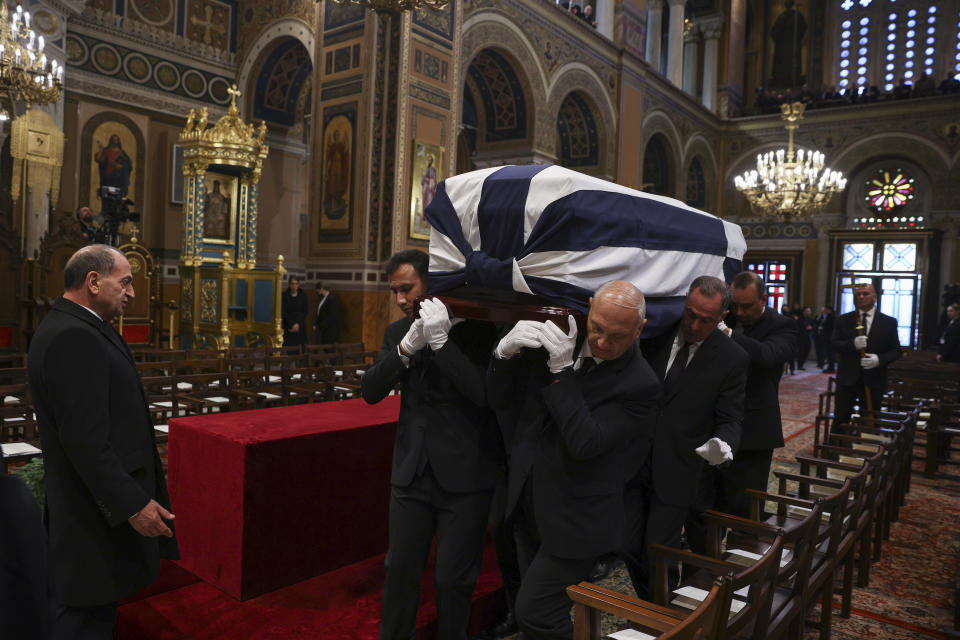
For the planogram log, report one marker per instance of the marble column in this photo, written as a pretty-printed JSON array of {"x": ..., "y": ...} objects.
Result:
[
  {"x": 690, "y": 55},
  {"x": 604, "y": 16},
  {"x": 948, "y": 247},
  {"x": 825, "y": 223},
  {"x": 711, "y": 30},
  {"x": 675, "y": 43},
  {"x": 654, "y": 27}
]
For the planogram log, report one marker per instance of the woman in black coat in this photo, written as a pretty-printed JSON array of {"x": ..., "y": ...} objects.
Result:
[{"x": 293, "y": 312}]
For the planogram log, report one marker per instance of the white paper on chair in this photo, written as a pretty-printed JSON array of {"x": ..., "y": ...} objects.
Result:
[
  {"x": 14, "y": 419},
  {"x": 184, "y": 386},
  {"x": 18, "y": 449},
  {"x": 690, "y": 598},
  {"x": 218, "y": 399},
  {"x": 11, "y": 400},
  {"x": 337, "y": 372},
  {"x": 163, "y": 403},
  {"x": 268, "y": 395},
  {"x": 162, "y": 428},
  {"x": 746, "y": 558},
  {"x": 631, "y": 634},
  {"x": 274, "y": 378}
]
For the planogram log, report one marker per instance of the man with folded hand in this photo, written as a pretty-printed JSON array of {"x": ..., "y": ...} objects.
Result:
[
  {"x": 444, "y": 456},
  {"x": 568, "y": 412},
  {"x": 862, "y": 360},
  {"x": 701, "y": 412}
]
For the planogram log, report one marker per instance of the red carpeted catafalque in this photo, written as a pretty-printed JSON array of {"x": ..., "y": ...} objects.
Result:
[{"x": 281, "y": 516}]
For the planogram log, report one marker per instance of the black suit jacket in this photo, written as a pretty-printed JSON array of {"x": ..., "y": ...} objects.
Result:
[
  {"x": 327, "y": 321},
  {"x": 769, "y": 343},
  {"x": 949, "y": 348},
  {"x": 706, "y": 402},
  {"x": 570, "y": 437},
  {"x": 99, "y": 456},
  {"x": 882, "y": 340},
  {"x": 444, "y": 417}
]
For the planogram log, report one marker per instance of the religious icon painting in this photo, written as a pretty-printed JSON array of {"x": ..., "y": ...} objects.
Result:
[
  {"x": 220, "y": 208},
  {"x": 336, "y": 172},
  {"x": 112, "y": 151},
  {"x": 426, "y": 171}
]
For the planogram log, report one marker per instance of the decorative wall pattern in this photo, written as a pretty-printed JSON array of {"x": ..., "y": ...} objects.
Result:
[
  {"x": 803, "y": 230},
  {"x": 577, "y": 128},
  {"x": 336, "y": 16},
  {"x": 256, "y": 15},
  {"x": 437, "y": 22},
  {"x": 501, "y": 93},
  {"x": 144, "y": 69},
  {"x": 283, "y": 77}
]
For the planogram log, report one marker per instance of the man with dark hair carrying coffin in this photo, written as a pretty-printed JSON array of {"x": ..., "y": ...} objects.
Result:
[{"x": 445, "y": 454}]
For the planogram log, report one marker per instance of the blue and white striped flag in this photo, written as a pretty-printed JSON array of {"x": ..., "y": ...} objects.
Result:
[{"x": 559, "y": 234}]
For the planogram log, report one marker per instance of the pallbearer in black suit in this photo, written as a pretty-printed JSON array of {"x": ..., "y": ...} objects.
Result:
[
  {"x": 568, "y": 415},
  {"x": 863, "y": 359},
  {"x": 768, "y": 338},
  {"x": 327, "y": 321},
  {"x": 949, "y": 349},
  {"x": 444, "y": 456},
  {"x": 699, "y": 423},
  {"x": 107, "y": 501}
]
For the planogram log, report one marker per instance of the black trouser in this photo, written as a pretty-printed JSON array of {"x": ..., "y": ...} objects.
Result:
[
  {"x": 460, "y": 523},
  {"x": 85, "y": 623},
  {"x": 649, "y": 521},
  {"x": 847, "y": 395},
  {"x": 725, "y": 490},
  {"x": 505, "y": 543},
  {"x": 543, "y": 607}
]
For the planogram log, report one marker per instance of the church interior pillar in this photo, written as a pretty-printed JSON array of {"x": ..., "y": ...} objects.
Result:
[
  {"x": 690, "y": 55},
  {"x": 604, "y": 15},
  {"x": 654, "y": 27},
  {"x": 730, "y": 69},
  {"x": 675, "y": 43},
  {"x": 711, "y": 30}
]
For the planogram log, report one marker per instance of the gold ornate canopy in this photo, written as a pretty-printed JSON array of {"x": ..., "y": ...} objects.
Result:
[
  {"x": 233, "y": 149},
  {"x": 37, "y": 140}
]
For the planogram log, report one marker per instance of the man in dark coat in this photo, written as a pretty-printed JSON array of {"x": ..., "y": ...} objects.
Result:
[
  {"x": 106, "y": 492},
  {"x": 699, "y": 423},
  {"x": 327, "y": 323},
  {"x": 568, "y": 415},
  {"x": 879, "y": 344},
  {"x": 445, "y": 455},
  {"x": 949, "y": 349},
  {"x": 768, "y": 338}
]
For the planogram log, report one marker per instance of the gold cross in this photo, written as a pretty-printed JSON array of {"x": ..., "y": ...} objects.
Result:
[
  {"x": 208, "y": 24},
  {"x": 234, "y": 94}
]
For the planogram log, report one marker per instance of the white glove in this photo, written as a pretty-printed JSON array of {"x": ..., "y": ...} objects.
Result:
[
  {"x": 558, "y": 344},
  {"x": 722, "y": 326},
  {"x": 870, "y": 361},
  {"x": 715, "y": 451},
  {"x": 436, "y": 322},
  {"x": 414, "y": 340},
  {"x": 860, "y": 342},
  {"x": 525, "y": 334}
]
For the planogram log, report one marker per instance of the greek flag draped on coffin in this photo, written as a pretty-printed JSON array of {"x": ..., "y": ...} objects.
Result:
[{"x": 559, "y": 234}]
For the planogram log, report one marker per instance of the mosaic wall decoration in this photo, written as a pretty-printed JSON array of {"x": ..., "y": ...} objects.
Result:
[
  {"x": 336, "y": 16},
  {"x": 282, "y": 79},
  {"x": 212, "y": 22},
  {"x": 145, "y": 70},
  {"x": 504, "y": 103},
  {"x": 337, "y": 173},
  {"x": 256, "y": 16},
  {"x": 437, "y": 22},
  {"x": 577, "y": 128},
  {"x": 803, "y": 230}
]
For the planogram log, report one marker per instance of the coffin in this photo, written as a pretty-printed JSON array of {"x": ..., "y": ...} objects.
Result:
[{"x": 540, "y": 239}]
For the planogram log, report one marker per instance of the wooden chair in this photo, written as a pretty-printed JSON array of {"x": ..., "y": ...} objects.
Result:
[
  {"x": 748, "y": 618},
  {"x": 706, "y": 621},
  {"x": 304, "y": 385}
]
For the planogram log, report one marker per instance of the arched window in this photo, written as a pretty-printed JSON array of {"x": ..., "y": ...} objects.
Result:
[{"x": 696, "y": 185}]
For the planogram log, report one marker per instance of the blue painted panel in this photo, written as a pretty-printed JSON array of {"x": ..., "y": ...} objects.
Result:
[
  {"x": 240, "y": 296},
  {"x": 263, "y": 301}
]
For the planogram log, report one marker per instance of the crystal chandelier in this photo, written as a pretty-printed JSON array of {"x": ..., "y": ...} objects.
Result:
[
  {"x": 396, "y": 6},
  {"x": 785, "y": 184},
  {"x": 26, "y": 74}
]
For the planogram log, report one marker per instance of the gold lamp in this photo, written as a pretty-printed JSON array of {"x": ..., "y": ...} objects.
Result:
[
  {"x": 790, "y": 184},
  {"x": 26, "y": 74},
  {"x": 396, "y": 6}
]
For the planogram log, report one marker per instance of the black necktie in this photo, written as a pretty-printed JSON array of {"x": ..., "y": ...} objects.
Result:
[
  {"x": 679, "y": 364},
  {"x": 863, "y": 322},
  {"x": 585, "y": 365}
]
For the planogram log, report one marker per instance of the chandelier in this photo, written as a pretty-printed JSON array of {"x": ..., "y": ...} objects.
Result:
[
  {"x": 26, "y": 74},
  {"x": 788, "y": 184},
  {"x": 396, "y": 6}
]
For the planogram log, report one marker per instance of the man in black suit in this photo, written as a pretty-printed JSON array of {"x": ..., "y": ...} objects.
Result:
[
  {"x": 880, "y": 345},
  {"x": 327, "y": 323},
  {"x": 445, "y": 452},
  {"x": 106, "y": 492},
  {"x": 768, "y": 338},
  {"x": 949, "y": 349},
  {"x": 568, "y": 413},
  {"x": 699, "y": 423}
]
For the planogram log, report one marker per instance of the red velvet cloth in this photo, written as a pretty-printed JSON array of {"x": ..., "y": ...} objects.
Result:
[
  {"x": 264, "y": 499},
  {"x": 340, "y": 605},
  {"x": 6, "y": 336},
  {"x": 136, "y": 333}
]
